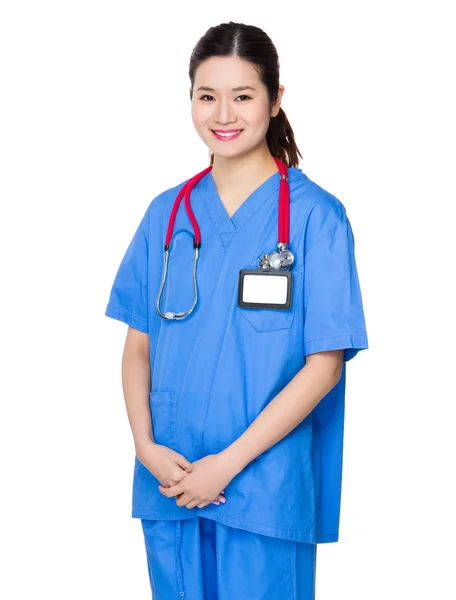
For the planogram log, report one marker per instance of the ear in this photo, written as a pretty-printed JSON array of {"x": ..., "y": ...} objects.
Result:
[{"x": 276, "y": 105}]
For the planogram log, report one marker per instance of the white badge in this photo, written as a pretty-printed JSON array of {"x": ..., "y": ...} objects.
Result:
[{"x": 265, "y": 289}]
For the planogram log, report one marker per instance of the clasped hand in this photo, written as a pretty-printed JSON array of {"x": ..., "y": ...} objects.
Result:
[{"x": 206, "y": 479}]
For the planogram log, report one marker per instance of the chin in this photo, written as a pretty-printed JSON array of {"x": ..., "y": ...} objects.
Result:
[{"x": 233, "y": 154}]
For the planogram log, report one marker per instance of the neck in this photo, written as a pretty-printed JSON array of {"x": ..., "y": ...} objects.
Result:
[{"x": 243, "y": 171}]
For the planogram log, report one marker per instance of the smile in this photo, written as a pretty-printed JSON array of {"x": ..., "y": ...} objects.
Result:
[{"x": 227, "y": 135}]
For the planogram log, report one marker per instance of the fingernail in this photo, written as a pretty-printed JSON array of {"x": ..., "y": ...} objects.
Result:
[{"x": 223, "y": 500}]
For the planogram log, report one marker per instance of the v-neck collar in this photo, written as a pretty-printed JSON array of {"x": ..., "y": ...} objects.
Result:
[{"x": 226, "y": 224}]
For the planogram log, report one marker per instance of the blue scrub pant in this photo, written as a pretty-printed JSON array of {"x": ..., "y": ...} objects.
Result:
[{"x": 201, "y": 559}]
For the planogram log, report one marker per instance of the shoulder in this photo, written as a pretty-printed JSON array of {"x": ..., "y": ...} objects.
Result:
[
  {"x": 314, "y": 200},
  {"x": 165, "y": 199},
  {"x": 161, "y": 205},
  {"x": 321, "y": 211}
]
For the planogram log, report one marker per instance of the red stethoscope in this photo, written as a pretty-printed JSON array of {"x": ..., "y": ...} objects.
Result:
[{"x": 281, "y": 259}]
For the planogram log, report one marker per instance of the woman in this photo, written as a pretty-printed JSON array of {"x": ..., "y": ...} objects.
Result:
[{"x": 237, "y": 411}]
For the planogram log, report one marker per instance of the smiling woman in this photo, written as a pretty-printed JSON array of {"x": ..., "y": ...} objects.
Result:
[{"x": 239, "y": 439}]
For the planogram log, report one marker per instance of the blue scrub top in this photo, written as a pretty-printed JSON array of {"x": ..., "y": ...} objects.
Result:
[{"x": 215, "y": 371}]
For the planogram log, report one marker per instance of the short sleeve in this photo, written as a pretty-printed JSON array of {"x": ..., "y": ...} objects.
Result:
[
  {"x": 128, "y": 299},
  {"x": 334, "y": 316}
]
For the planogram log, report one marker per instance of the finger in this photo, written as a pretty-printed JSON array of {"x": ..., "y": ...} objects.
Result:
[
  {"x": 174, "y": 490},
  {"x": 192, "y": 504},
  {"x": 203, "y": 504},
  {"x": 183, "y": 499},
  {"x": 183, "y": 462}
]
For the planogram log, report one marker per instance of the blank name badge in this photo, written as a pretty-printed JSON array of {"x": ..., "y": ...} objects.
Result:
[{"x": 265, "y": 289}]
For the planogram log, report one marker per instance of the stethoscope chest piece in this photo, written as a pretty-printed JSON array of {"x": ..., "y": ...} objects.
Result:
[{"x": 282, "y": 259}]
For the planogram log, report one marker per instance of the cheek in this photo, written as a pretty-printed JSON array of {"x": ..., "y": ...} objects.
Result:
[
  {"x": 194, "y": 113},
  {"x": 257, "y": 118},
  {"x": 260, "y": 125},
  {"x": 200, "y": 114}
]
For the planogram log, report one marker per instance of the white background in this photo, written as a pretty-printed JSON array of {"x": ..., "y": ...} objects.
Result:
[{"x": 95, "y": 122}]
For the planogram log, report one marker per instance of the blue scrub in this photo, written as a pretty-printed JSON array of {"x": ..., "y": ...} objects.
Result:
[
  {"x": 201, "y": 559},
  {"x": 214, "y": 372}
]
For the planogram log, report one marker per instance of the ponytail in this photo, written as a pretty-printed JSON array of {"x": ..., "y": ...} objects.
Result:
[{"x": 280, "y": 139}]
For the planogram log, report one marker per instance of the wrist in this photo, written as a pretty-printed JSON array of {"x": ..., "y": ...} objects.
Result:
[
  {"x": 233, "y": 458},
  {"x": 141, "y": 442}
]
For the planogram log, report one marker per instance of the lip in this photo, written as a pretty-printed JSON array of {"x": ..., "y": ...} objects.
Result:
[{"x": 226, "y": 139}]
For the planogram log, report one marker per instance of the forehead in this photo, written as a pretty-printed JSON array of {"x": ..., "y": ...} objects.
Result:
[{"x": 225, "y": 73}]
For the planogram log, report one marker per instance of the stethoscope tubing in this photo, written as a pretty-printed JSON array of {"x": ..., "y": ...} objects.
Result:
[
  {"x": 283, "y": 213},
  {"x": 184, "y": 192}
]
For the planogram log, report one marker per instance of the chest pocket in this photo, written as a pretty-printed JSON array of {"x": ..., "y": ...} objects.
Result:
[{"x": 264, "y": 320}]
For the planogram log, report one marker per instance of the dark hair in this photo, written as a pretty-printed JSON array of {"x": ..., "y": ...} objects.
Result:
[{"x": 252, "y": 44}]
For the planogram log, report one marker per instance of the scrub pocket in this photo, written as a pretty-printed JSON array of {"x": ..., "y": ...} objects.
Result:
[
  {"x": 163, "y": 412},
  {"x": 263, "y": 320}
]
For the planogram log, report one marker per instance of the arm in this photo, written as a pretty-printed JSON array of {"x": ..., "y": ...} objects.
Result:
[
  {"x": 319, "y": 375},
  {"x": 167, "y": 465},
  {"x": 136, "y": 378},
  {"x": 209, "y": 475}
]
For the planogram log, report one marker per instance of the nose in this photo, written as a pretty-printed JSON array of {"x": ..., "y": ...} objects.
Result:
[{"x": 224, "y": 112}]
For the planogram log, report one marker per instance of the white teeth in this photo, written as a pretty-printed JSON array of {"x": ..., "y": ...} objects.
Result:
[{"x": 227, "y": 134}]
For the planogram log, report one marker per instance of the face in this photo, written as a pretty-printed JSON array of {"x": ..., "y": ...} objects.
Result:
[{"x": 230, "y": 106}]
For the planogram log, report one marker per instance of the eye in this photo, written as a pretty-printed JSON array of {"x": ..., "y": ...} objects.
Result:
[{"x": 212, "y": 97}]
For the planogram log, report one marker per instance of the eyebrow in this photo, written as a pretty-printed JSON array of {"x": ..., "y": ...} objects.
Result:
[{"x": 241, "y": 88}]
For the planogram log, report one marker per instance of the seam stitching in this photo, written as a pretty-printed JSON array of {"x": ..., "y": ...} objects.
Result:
[
  {"x": 323, "y": 236},
  {"x": 335, "y": 337},
  {"x": 129, "y": 314}
]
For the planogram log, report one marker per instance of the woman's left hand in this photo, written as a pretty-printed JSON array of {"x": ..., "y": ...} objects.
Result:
[{"x": 206, "y": 479}]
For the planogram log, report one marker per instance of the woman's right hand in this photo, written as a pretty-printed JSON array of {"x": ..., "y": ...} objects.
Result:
[{"x": 165, "y": 464}]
